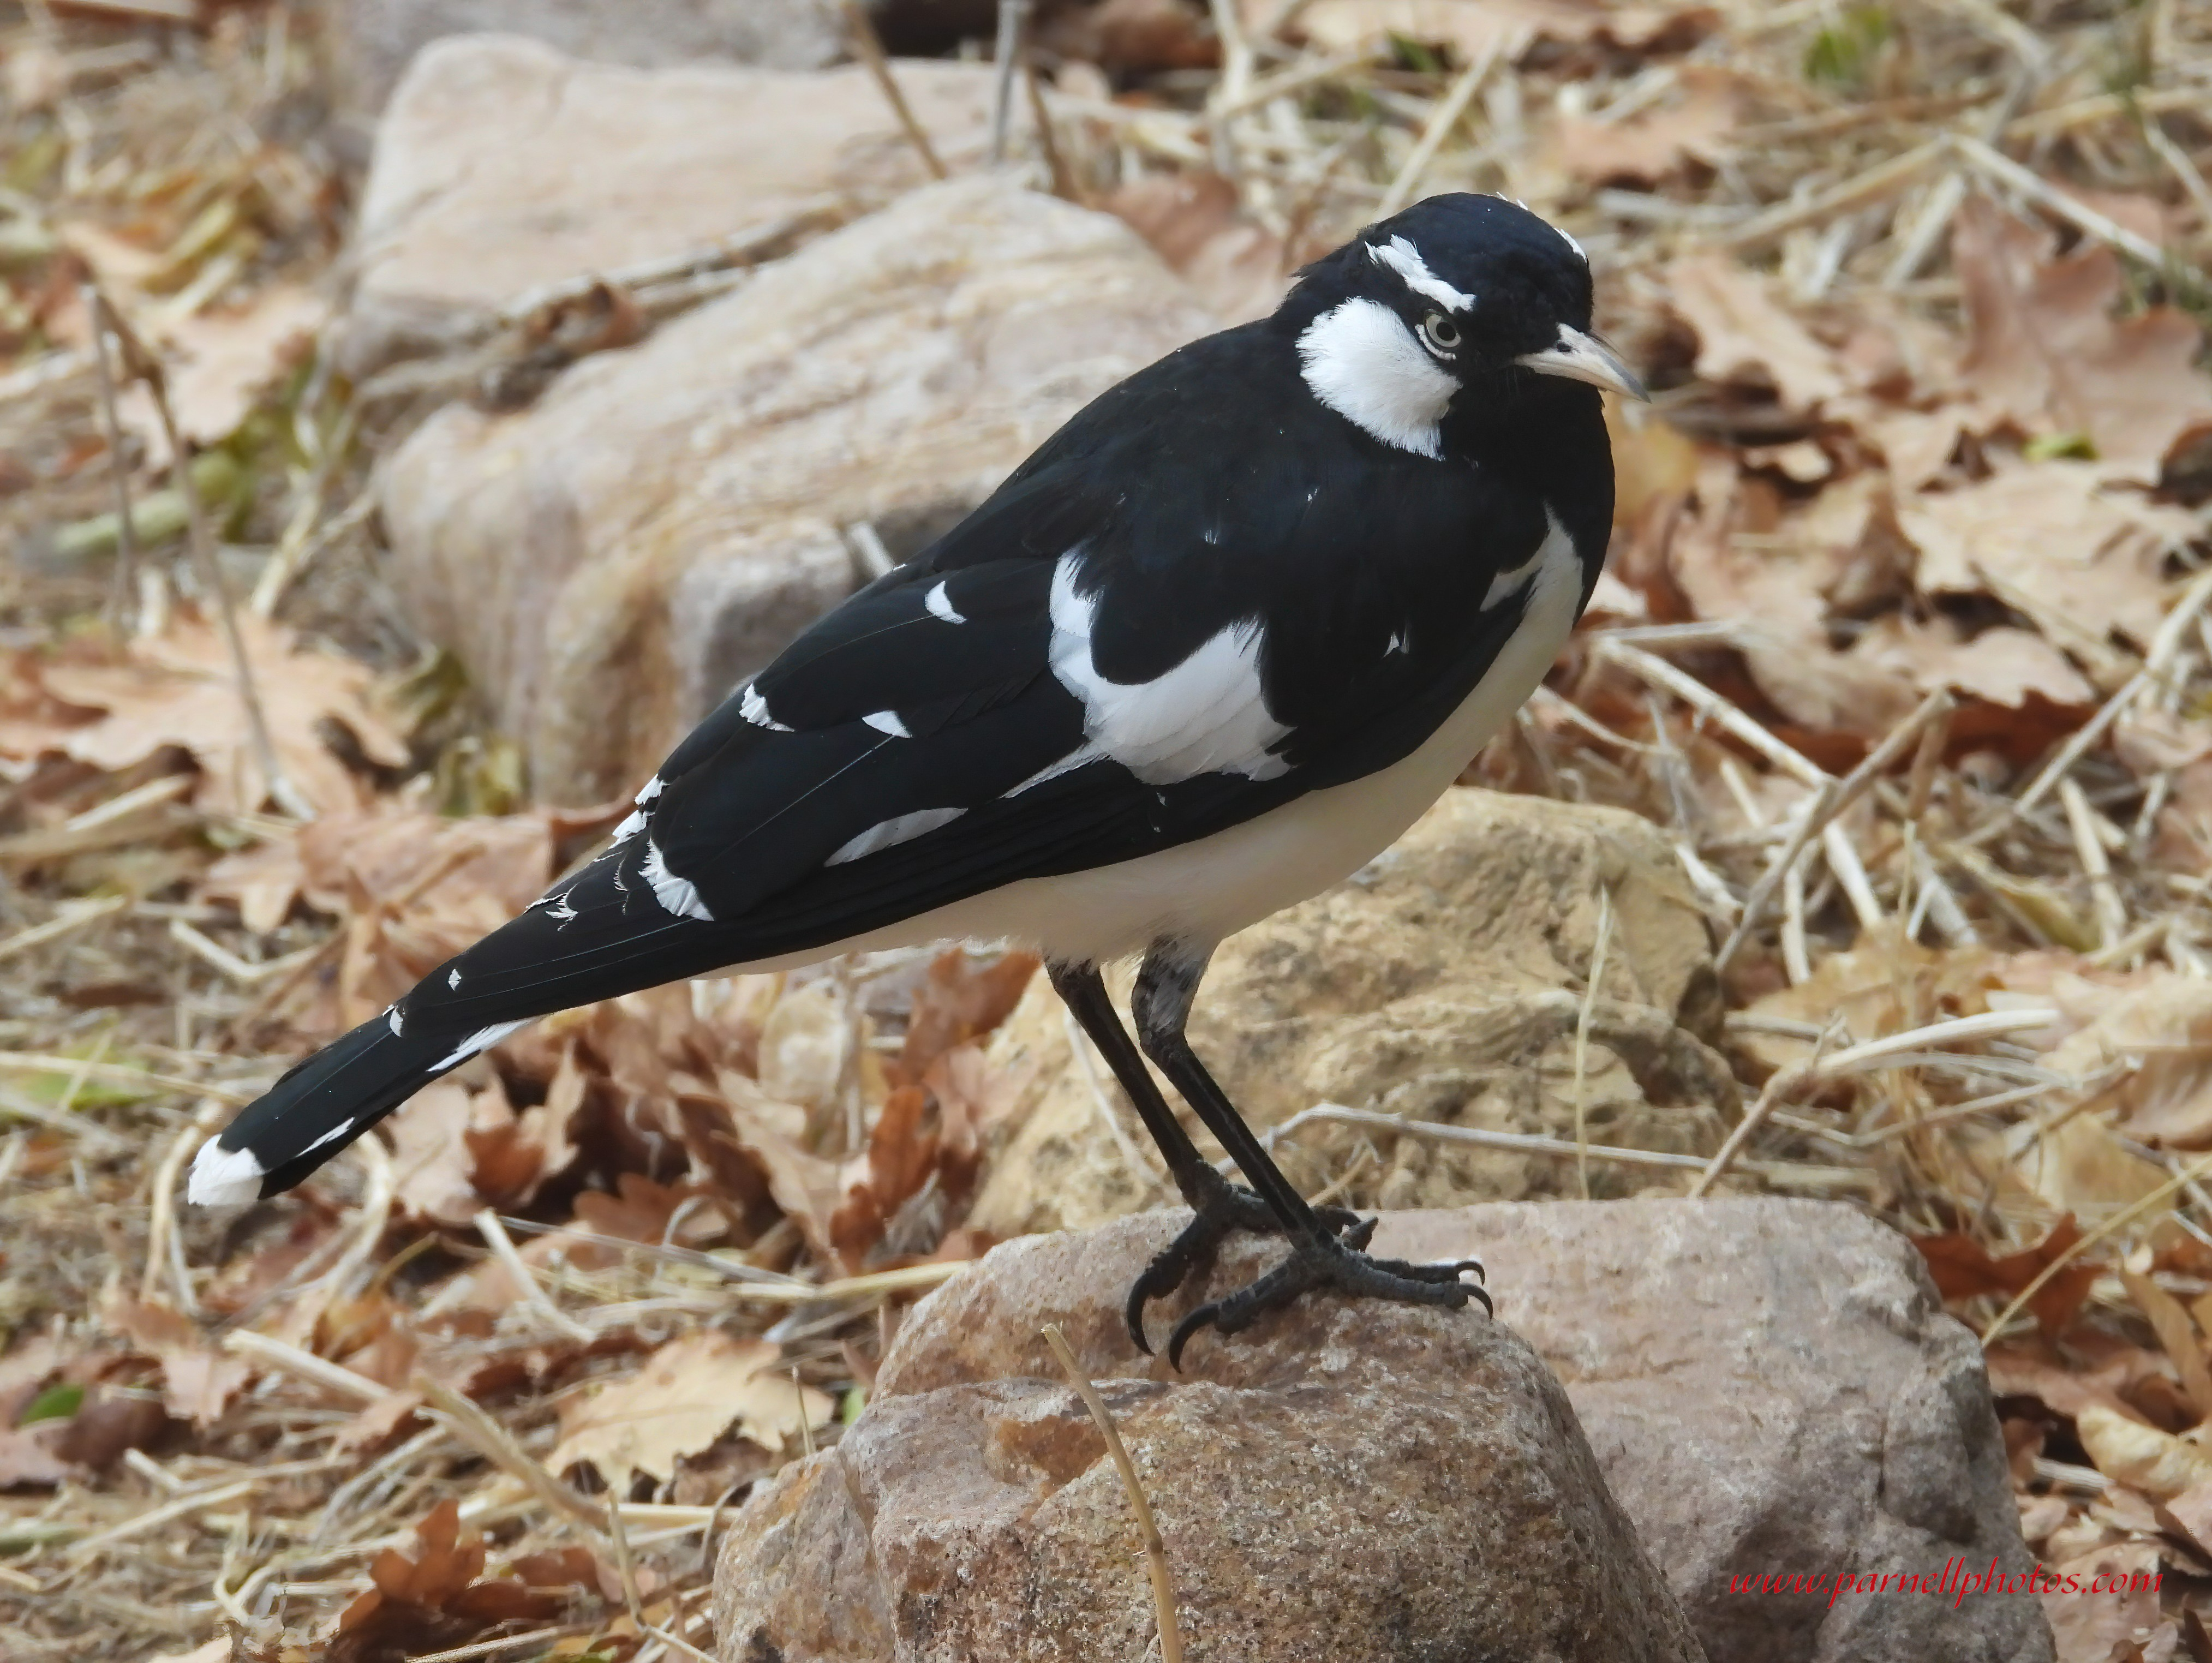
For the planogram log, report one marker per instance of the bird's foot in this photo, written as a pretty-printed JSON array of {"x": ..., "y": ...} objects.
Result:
[
  {"x": 1219, "y": 1208},
  {"x": 1337, "y": 1264}
]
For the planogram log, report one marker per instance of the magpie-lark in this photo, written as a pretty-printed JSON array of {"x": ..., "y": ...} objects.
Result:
[{"x": 1214, "y": 646}]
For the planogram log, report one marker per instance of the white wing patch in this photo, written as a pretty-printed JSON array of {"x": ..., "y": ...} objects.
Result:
[
  {"x": 900, "y": 828},
  {"x": 679, "y": 894},
  {"x": 1403, "y": 257},
  {"x": 483, "y": 1040},
  {"x": 1087, "y": 752},
  {"x": 1364, "y": 363},
  {"x": 453, "y": 980},
  {"x": 753, "y": 709},
  {"x": 392, "y": 1017},
  {"x": 940, "y": 604},
  {"x": 1207, "y": 715},
  {"x": 887, "y": 721}
]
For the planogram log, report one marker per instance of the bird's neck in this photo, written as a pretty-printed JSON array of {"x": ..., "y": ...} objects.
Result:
[{"x": 1546, "y": 435}]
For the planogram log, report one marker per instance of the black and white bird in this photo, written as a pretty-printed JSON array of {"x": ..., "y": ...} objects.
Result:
[{"x": 1211, "y": 648}]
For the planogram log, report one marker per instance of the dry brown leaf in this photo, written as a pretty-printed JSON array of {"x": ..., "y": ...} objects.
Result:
[
  {"x": 2159, "y": 1464},
  {"x": 2161, "y": 1028},
  {"x": 178, "y": 690},
  {"x": 2065, "y": 1386},
  {"x": 434, "y": 1600},
  {"x": 2002, "y": 665},
  {"x": 2045, "y": 352},
  {"x": 689, "y": 1392},
  {"x": 1745, "y": 335},
  {"x": 1658, "y": 143},
  {"x": 2099, "y": 1627},
  {"x": 962, "y": 1002},
  {"x": 1963, "y": 1269},
  {"x": 1194, "y": 221},
  {"x": 1132, "y": 36},
  {"x": 219, "y": 363},
  {"x": 2079, "y": 1166},
  {"x": 458, "y": 1149},
  {"x": 2053, "y": 539},
  {"x": 198, "y": 1380},
  {"x": 2177, "y": 1333},
  {"x": 806, "y": 1045},
  {"x": 27, "y": 1458}
]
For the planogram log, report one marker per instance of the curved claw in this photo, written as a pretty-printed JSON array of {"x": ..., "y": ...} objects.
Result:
[{"x": 1203, "y": 1317}]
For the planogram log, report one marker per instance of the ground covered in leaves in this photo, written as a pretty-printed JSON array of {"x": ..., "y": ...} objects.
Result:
[{"x": 1904, "y": 641}]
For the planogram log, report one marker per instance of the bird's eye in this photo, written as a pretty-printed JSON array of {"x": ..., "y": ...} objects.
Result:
[{"x": 1442, "y": 333}]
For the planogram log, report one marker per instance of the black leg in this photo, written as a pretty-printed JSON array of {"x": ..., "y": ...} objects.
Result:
[
  {"x": 1166, "y": 988},
  {"x": 1218, "y": 1205}
]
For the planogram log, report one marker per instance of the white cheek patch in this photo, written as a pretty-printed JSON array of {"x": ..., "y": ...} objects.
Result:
[
  {"x": 1364, "y": 363},
  {"x": 1403, "y": 257},
  {"x": 1207, "y": 715}
]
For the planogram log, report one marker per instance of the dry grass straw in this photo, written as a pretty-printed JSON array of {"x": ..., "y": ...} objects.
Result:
[{"x": 1148, "y": 1530}]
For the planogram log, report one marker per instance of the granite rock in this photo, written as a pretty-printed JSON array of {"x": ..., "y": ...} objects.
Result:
[
  {"x": 1361, "y": 1483},
  {"x": 610, "y": 561},
  {"x": 504, "y": 168},
  {"x": 1443, "y": 982}
]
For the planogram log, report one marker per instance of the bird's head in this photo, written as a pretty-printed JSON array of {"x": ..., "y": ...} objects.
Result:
[{"x": 1458, "y": 295}]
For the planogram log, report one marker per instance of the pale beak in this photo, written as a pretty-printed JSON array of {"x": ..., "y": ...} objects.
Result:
[{"x": 1580, "y": 357}]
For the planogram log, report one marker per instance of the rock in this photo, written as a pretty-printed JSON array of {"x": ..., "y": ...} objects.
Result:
[
  {"x": 1443, "y": 982},
  {"x": 368, "y": 44},
  {"x": 610, "y": 561},
  {"x": 1770, "y": 1386},
  {"x": 1360, "y": 1484},
  {"x": 1773, "y": 1390},
  {"x": 503, "y": 166}
]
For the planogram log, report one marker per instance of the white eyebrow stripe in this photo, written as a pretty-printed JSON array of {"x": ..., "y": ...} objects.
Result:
[{"x": 1403, "y": 257}]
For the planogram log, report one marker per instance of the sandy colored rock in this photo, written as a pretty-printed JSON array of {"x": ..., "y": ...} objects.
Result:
[
  {"x": 1774, "y": 1391},
  {"x": 1443, "y": 982},
  {"x": 503, "y": 166},
  {"x": 1770, "y": 1386},
  {"x": 610, "y": 562},
  {"x": 1364, "y": 1484},
  {"x": 368, "y": 44}
]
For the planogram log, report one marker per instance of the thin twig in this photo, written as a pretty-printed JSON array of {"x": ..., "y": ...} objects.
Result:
[
  {"x": 1442, "y": 120},
  {"x": 1832, "y": 798},
  {"x": 1714, "y": 708},
  {"x": 1858, "y": 1059},
  {"x": 870, "y": 47},
  {"x": 148, "y": 369},
  {"x": 1581, "y": 1034},
  {"x": 2118, "y": 1221},
  {"x": 1156, "y": 1551},
  {"x": 484, "y": 1433},
  {"x": 119, "y": 464},
  {"x": 1013, "y": 21},
  {"x": 503, "y": 1249}
]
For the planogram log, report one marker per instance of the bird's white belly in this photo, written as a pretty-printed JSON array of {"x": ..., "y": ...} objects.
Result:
[{"x": 1203, "y": 891}]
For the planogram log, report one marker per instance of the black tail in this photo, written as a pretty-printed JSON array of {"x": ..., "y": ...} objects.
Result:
[
  {"x": 316, "y": 1110},
  {"x": 600, "y": 933}
]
